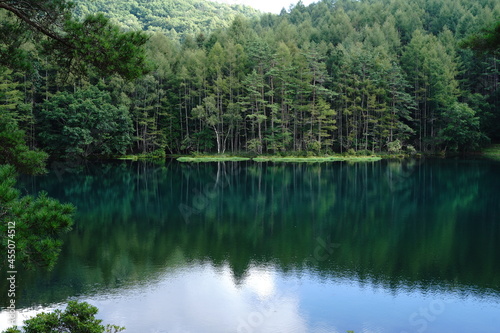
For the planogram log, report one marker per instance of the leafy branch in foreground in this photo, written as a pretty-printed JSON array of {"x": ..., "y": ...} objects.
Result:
[
  {"x": 39, "y": 221},
  {"x": 77, "y": 318}
]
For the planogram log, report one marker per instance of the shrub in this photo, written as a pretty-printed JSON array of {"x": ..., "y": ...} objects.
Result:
[
  {"x": 351, "y": 152},
  {"x": 411, "y": 150},
  {"x": 77, "y": 318},
  {"x": 394, "y": 147},
  {"x": 364, "y": 152}
]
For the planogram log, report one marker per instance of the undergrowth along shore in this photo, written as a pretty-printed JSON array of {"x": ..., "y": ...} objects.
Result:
[
  {"x": 289, "y": 159},
  {"x": 490, "y": 152}
]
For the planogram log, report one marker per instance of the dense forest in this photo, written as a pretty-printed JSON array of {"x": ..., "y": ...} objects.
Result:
[{"x": 333, "y": 77}]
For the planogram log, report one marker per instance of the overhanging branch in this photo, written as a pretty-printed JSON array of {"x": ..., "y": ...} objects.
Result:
[{"x": 35, "y": 25}]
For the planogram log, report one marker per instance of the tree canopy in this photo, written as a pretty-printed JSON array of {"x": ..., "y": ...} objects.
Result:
[
  {"x": 488, "y": 41},
  {"x": 177, "y": 19}
]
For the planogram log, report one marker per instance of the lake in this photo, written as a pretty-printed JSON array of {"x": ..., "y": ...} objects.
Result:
[{"x": 389, "y": 246}]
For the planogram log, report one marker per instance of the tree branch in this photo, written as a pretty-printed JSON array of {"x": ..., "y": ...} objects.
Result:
[{"x": 35, "y": 25}]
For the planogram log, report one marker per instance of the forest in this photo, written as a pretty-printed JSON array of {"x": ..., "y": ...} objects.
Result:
[{"x": 342, "y": 76}]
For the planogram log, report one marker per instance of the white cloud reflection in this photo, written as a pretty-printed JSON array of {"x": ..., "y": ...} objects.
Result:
[
  {"x": 24, "y": 314},
  {"x": 200, "y": 297},
  {"x": 204, "y": 299}
]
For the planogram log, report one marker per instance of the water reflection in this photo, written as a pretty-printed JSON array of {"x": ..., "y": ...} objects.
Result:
[
  {"x": 329, "y": 247},
  {"x": 199, "y": 297},
  {"x": 202, "y": 298}
]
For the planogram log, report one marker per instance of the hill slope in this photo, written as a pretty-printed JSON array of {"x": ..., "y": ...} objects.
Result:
[{"x": 176, "y": 18}]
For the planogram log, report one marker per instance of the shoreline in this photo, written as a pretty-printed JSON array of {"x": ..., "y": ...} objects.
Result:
[
  {"x": 279, "y": 159},
  {"x": 490, "y": 152}
]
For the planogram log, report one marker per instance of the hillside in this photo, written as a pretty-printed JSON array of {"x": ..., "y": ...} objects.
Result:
[{"x": 176, "y": 18}]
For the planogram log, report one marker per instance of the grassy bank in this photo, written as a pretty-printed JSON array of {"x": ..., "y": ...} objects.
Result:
[
  {"x": 316, "y": 159},
  {"x": 139, "y": 157},
  {"x": 198, "y": 159},
  {"x": 279, "y": 159}
]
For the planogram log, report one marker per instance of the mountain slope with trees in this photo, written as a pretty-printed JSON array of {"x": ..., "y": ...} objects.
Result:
[{"x": 175, "y": 18}]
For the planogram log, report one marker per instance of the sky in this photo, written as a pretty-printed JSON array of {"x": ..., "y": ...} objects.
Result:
[{"x": 271, "y": 6}]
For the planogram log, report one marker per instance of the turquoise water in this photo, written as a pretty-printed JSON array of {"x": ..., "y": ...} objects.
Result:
[{"x": 387, "y": 246}]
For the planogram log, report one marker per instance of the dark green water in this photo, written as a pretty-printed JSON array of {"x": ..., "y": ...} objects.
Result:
[{"x": 246, "y": 247}]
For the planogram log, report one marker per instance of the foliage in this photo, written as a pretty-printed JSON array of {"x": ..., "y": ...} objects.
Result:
[
  {"x": 487, "y": 42},
  {"x": 95, "y": 41},
  {"x": 76, "y": 318},
  {"x": 462, "y": 130},
  {"x": 492, "y": 152},
  {"x": 183, "y": 18},
  {"x": 14, "y": 151},
  {"x": 84, "y": 123},
  {"x": 394, "y": 146},
  {"x": 49, "y": 24}
]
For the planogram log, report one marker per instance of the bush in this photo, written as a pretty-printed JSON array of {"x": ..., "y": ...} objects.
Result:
[
  {"x": 158, "y": 153},
  {"x": 411, "y": 150},
  {"x": 314, "y": 146},
  {"x": 394, "y": 147},
  {"x": 255, "y": 146},
  {"x": 364, "y": 152}
]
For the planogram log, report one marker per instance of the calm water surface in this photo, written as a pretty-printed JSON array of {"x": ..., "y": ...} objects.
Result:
[{"x": 244, "y": 247}]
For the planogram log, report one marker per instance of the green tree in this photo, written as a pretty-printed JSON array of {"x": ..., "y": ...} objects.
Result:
[
  {"x": 147, "y": 113},
  {"x": 16, "y": 99},
  {"x": 186, "y": 18},
  {"x": 462, "y": 130},
  {"x": 326, "y": 124},
  {"x": 400, "y": 106},
  {"x": 254, "y": 103},
  {"x": 432, "y": 69},
  {"x": 84, "y": 123},
  {"x": 317, "y": 77},
  {"x": 208, "y": 113},
  {"x": 282, "y": 71},
  {"x": 14, "y": 151}
]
